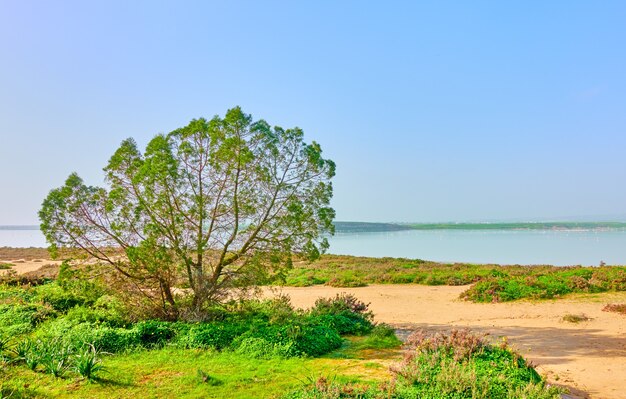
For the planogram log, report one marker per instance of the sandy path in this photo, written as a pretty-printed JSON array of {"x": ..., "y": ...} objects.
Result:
[{"x": 588, "y": 357}]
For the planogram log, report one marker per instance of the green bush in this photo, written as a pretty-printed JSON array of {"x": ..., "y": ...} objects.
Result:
[
  {"x": 344, "y": 313},
  {"x": 18, "y": 318},
  {"x": 97, "y": 315},
  {"x": 463, "y": 365},
  {"x": 212, "y": 335},
  {"x": 154, "y": 332},
  {"x": 60, "y": 299}
]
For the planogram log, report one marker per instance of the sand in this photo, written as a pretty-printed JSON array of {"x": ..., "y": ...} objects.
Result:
[
  {"x": 24, "y": 266},
  {"x": 587, "y": 357}
]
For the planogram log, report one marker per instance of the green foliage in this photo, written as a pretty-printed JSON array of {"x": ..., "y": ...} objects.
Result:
[
  {"x": 209, "y": 379},
  {"x": 382, "y": 336},
  {"x": 106, "y": 311},
  {"x": 87, "y": 363},
  {"x": 229, "y": 199},
  {"x": 54, "y": 357},
  {"x": 548, "y": 284},
  {"x": 325, "y": 388},
  {"x": 154, "y": 332},
  {"x": 60, "y": 299},
  {"x": 463, "y": 365},
  {"x": 212, "y": 335},
  {"x": 345, "y": 313},
  {"x": 18, "y": 318}
]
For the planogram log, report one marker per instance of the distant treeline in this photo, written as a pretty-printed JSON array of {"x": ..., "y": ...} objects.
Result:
[
  {"x": 362, "y": 227},
  {"x": 19, "y": 227}
]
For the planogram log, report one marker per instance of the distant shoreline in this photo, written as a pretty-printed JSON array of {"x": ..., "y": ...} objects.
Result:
[{"x": 369, "y": 227}]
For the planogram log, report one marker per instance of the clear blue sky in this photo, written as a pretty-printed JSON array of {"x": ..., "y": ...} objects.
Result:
[{"x": 440, "y": 111}]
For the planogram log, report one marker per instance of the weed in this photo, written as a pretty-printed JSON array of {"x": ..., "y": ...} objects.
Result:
[
  {"x": 209, "y": 379},
  {"x": 616, "y": 307},
  {"x": 575, "y": 318},
  {"x": 87, "y": 363}
]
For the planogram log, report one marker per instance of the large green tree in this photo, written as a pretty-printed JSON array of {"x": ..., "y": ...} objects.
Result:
[{"x": 214, "y": 205}]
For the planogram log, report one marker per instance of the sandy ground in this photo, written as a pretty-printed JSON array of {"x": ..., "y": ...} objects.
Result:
[
  {"x": 588, "y": 357},
  {"x": 22, "y": 266}
]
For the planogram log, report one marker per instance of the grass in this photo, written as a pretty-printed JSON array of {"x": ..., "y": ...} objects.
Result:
[
  {"x": 6, "y": 266},
  {"x": 174, "y": 372}
]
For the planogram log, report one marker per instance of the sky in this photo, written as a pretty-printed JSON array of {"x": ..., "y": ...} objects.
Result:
[{"x": 433, "y": 111}]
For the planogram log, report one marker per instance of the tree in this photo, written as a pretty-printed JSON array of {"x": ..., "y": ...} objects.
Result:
[{"x": 217, "y": 204}]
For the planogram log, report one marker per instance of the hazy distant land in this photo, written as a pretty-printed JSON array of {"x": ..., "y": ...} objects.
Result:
[{"x": 369, "y": 227}]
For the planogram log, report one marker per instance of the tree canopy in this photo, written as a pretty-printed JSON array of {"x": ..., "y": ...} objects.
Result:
[{"x": 216, "y": 204}]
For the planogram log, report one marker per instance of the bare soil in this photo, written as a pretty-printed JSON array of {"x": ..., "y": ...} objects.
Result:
[{"x": 588, "y": 357}]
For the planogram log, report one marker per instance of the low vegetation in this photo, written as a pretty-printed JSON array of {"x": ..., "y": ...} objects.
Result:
[
  {"x": 491, "y": 283},
  {"x": 575, "y": 318},
  {"x": 616, "y": 307},
  {"x": 455, "y": 365},
  {"x": 5, "y": 266},
  {"x": 75, "y": 338}
]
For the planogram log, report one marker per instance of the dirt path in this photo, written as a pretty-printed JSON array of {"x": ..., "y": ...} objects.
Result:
[{"x": 588, "y": 357}]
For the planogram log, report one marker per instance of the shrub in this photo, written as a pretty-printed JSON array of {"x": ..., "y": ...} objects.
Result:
[
  {"x": 60, "y": 299},
  {"x": 17, "y": 318},
  {"x": 315, "y": 340},
  {"x": 615, "y": 307},
  {"x": 154, "y": 332},
  {"x": 106, "y": 310},
  {"x": 81, "y": 335},
  {"x": 212, "y": 335},
  {"x": 464, "y": 365},
  {"x": 345, "y": 313}
]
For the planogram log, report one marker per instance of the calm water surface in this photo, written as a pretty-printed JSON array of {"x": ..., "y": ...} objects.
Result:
[{"x": 525, "y": 247}]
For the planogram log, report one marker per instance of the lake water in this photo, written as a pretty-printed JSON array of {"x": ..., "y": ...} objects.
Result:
[{"x": 525, "y": 247}]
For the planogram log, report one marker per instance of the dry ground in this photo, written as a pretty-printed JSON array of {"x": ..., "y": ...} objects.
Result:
[{"x": 588, "y": 357}]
